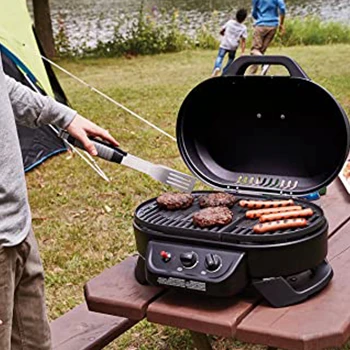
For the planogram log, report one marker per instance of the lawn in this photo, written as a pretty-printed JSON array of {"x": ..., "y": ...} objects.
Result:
[{"x": 83, "y": 223}]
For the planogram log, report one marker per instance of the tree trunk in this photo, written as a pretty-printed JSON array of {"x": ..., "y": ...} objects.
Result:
[{"x": 43, "y": 26}]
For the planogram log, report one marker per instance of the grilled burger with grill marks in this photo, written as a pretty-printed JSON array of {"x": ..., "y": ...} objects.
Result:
[
  {"x": 213, "y": 216},
  {"x": 219, "y": 199},
  {"x": 175, "y": 201}
]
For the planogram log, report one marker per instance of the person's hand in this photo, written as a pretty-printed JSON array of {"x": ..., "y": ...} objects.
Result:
[
  {"x": 81, "y": 128},
  {"x": 282, "y": 29}
]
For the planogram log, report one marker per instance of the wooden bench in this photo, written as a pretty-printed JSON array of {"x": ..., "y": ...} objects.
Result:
[
  {"x": 81, "y": 329},
  {"x": 323, "y": 321}
]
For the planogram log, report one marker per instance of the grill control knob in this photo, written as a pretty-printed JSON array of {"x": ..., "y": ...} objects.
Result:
[
  {"x": 189, "y": 259},
  {"x": 212, "y": 262}
]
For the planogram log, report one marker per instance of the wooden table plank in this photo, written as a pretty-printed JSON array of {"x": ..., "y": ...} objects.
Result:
[
  {"x": 336, "y": 205},
  {"x": 216, "y": 316},
  {"x": 116, "y": 292},
  {"x": 84, "y": 330},
  {"x": 321, "y": 322}
]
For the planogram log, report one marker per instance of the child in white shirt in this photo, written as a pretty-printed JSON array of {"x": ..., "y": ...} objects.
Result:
[{"x": 234, "y": 32}]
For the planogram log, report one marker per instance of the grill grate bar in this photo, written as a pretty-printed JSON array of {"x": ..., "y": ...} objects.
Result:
[
  {"x": 232, "y": 226},
  {"x": 153, "y": 216},
  {"x": 149, "y": 213},
  {"x": 247, "y": 231},
  {"x": 188, "y": 224},
  {"x": 159, "y": 220}
]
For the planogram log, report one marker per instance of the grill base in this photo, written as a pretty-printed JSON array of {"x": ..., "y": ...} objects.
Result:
[
  {"x": 273, "y": 260},
  {"x": 283, "y": 274},
  {"x": 277, "y": 291}
]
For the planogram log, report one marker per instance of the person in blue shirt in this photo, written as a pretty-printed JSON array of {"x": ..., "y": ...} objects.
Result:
[{"x": 268, "y": 15}]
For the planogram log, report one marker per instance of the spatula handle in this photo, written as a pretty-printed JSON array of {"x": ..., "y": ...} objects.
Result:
[{"x": 104, "y": 150}]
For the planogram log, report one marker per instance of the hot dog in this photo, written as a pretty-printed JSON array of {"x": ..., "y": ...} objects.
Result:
[
  {"x": 253, "y": 214},
  {"x": 279, "y": 225},
  {"x": 287, "y": 215},
  {"x": 265, "y": 204}
]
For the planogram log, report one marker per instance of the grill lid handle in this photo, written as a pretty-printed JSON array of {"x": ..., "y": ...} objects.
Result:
[{"x": 240, "y": 65}]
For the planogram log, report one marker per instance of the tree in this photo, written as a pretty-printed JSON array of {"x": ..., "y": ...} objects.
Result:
[{"x": 43, "y": 26}]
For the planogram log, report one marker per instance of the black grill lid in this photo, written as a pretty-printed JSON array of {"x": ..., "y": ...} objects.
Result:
[{"x": 280, "y": 134}]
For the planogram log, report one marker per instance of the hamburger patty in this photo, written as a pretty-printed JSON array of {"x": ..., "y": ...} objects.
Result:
[
  {"x": 213, "y": 216},
  {"x": 219, "y": 199},
  {"x": 174, "y": 201}
]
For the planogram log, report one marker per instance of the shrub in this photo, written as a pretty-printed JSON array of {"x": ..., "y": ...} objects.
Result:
[
  {"x": 314, "y": 31},
  {"x": 146, "y": 35}
]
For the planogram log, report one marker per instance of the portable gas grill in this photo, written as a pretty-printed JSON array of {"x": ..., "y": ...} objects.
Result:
[{"x": 257, "y": 137}]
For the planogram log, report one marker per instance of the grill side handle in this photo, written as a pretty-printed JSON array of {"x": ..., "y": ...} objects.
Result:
[
  {"x": 241, "y": 64},
  {"x": 282, "y": 292}
]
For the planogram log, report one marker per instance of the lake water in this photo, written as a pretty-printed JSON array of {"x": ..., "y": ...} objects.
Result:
[{"x": 95, "y": 20}]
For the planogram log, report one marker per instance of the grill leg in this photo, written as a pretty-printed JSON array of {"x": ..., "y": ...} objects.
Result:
[{"x": 200, "y": 341}]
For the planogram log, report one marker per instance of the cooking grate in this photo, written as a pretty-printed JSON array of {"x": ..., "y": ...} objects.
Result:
[{"x": 180, "y": 223}]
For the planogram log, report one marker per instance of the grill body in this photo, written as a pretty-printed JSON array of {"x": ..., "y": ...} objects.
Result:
[{"x": 246, "y": 258}]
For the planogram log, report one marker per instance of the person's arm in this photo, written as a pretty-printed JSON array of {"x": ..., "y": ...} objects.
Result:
[
  {"x": 255, "y": 9},
  {"x": 282, "y": 12},
  {"x": 243, "y": 45},
  {"x": 244, "y": 37},
  {"x": 32, "y": 109},
  {"x": 223, "y": 28}
]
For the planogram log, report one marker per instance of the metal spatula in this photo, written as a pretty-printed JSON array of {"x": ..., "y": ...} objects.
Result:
[{"x": 174, "y": 178}]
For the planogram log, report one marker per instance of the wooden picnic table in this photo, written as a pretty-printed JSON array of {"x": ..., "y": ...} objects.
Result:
[{"x": 320, "y": 322}]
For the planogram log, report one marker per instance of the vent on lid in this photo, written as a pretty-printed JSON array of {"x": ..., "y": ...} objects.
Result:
[{"x": 279, "y": 184}]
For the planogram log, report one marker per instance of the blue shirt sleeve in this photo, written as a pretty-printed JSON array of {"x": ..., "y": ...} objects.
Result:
[
  {"x": 255, "y": 9},
  {"x": 282, "y": 7}
]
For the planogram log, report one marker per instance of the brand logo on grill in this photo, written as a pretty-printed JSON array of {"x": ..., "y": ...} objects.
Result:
[{"x": 182, "y": 283}]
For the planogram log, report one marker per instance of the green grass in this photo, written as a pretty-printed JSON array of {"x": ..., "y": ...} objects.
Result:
[{"x": 78, "y": 236}]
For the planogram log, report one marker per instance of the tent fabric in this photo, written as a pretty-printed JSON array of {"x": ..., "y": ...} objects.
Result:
[
  {"x": 20, "y": 52},
  {"x": 17, "y": 36},
  {"x": 37, "y": 145}
]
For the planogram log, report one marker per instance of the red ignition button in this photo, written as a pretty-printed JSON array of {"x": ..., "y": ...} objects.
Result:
[{"x": 166, "y": 256}]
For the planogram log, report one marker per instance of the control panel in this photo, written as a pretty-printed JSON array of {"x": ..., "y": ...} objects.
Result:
[{"x": 190, "y": 267}]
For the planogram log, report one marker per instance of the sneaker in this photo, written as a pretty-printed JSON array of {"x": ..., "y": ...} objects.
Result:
[{"x": 216, "y": 72}]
